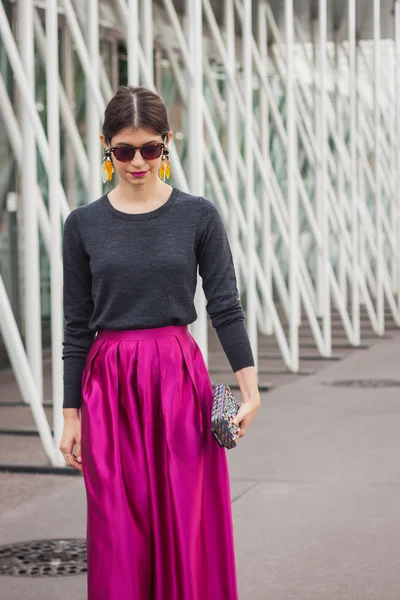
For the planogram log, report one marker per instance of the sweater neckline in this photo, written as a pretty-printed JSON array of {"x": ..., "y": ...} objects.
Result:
[{"x": 140, "y": 216}]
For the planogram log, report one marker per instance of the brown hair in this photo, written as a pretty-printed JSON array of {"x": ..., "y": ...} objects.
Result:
[{"x": 135, "y": 107}]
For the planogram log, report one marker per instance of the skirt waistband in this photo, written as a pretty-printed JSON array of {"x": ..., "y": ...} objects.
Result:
[{"x": 141, "y": 334}]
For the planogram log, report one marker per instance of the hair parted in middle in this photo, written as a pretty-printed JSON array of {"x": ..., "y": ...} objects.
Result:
[{"x": 136, "y": 107}]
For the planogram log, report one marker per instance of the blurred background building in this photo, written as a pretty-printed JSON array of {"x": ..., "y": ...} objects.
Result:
[{"x": 285, "y": 113}]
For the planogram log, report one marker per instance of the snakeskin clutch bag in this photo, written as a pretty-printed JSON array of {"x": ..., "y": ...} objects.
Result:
[{"x": 224, "y": 408}]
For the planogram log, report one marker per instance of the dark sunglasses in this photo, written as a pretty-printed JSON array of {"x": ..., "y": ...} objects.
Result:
[{"x": 148, "y": 152}]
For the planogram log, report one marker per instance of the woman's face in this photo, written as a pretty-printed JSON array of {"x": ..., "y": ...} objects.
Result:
[{"x": 138, "y": 170}]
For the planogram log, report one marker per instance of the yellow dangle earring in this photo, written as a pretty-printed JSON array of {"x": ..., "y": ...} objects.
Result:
[
  {"x": 107, "y": 167},
  {"x": 165, "y": 169}
]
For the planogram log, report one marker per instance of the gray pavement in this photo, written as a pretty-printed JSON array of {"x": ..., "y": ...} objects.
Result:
[
  {"x": 315, "y": 488},
  {"x": 322, "y": 520}
]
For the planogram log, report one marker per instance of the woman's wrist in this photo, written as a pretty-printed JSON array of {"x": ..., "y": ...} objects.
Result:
[
  {"x": 71, "y": 413},
  {"x": 247, "y": 380}
]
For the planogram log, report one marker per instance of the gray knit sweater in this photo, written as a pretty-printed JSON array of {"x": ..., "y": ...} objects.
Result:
[{"x": 138, "y": 271}]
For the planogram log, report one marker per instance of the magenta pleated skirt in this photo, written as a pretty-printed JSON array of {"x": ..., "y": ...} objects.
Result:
[{"x": 159, "y": 521}]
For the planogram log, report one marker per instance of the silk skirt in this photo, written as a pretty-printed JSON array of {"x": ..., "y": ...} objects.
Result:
[{"x": 159, "y": 520}]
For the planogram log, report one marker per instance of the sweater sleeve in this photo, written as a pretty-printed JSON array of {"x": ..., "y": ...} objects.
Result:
[
  {"x": 78, "y": 308},
  {"x": 218, "y": 275}
]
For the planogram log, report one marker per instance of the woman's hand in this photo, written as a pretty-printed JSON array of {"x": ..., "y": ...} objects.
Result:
[
  {"x": 71, "y": 435},
  {"x": 247, "y": 379},
  {"x": 246, "y": 414}
]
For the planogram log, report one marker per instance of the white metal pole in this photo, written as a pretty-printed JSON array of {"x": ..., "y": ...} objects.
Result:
[
  {"x": 323, "y": 197},
  {"x": 319, "y": 274},
  {"x": 23, "y": 375},
  {"x": 31, "y": 298},
  {"x": 147, "y": 35},
  {"x": 132, "y": 42},
  {"x": 378, "y": 186},
  {"x": 179, "y": 76},
  {"x": 68, "y": 77},
  {"x": 15, "y": 139},
  {"x": 231, "y": 137},
  {"x": 53, "y": 132},
  {"x": 340, "y": 182},
  {"x": 114, "y": 79},
  {"x": 195, "y": 97},
  {"x": 397, "y": 108},
  {"x": 390, "y": 131},
  {"x": 352, "y": 73},
  {"x": 293, "y": 202},
  {"x": 264, "y": 143},
  {"x": 361, "y": 181},
  {"x": 92, "y": 118},
  {"x": 195, "y": 145},
  {"x": 247, "y": 38}
]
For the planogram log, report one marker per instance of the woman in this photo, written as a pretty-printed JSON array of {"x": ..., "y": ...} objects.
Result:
[{"x": 159, "y": 523}]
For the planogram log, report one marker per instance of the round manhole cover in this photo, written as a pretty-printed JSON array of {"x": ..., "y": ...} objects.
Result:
[
  {"x": 366, "y": 383},
  {"x": 44, "y": 558}
]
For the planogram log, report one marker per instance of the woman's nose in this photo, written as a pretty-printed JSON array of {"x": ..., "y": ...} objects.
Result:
[{"x": 137, "y": 158}]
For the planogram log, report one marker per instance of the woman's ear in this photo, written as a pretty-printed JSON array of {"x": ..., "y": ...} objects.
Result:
[
  {"x": 103, "y": 141},
  {"x": 168, "y": 138}
]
